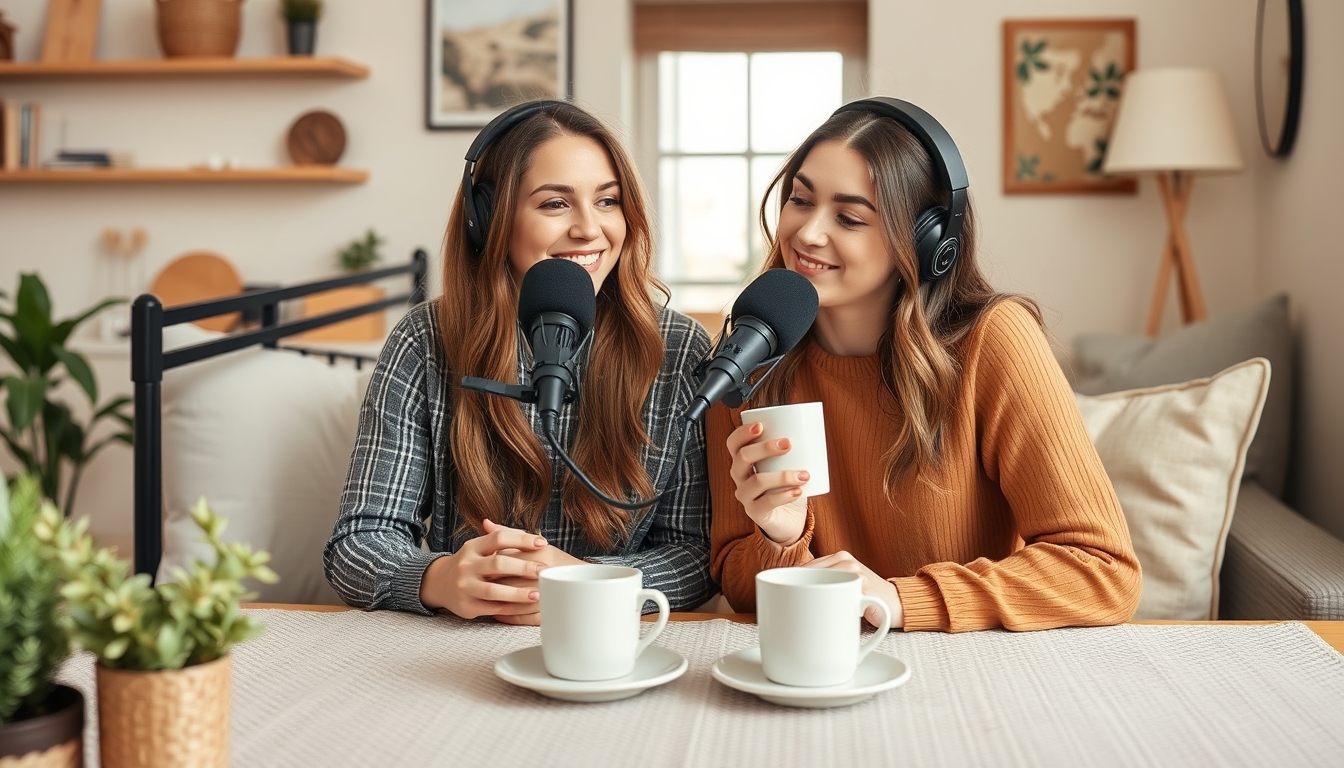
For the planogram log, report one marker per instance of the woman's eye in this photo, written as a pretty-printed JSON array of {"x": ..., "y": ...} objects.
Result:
[
  {"x": 609, "y": 202},
  {"x": 800, "y": 202},
  {"x": 846, "y": 221},
  {"x": 554, "y": 205}
]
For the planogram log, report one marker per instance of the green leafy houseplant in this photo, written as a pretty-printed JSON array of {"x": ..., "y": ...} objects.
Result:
[
  {"x": 362, "y": 254},
  {"x": 34, "y": 639},
  {"x": 129, "y": 624},
  {"x": 42, "y": 432},
  {"x": 301, "y": 10}
]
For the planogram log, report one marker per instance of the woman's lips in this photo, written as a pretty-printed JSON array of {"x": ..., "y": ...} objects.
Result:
[{"x": 588, "y": 261}]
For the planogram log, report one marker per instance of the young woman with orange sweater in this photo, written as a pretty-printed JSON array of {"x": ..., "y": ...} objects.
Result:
[{"x": 964, "y": 487}]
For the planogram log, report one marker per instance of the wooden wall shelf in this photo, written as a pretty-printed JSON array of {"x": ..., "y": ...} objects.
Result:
[
  {"x": 302, "y": 173},
  {"x": 278, "y": 66}
]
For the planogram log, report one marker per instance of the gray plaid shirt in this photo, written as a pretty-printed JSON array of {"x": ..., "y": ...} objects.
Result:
[{"x": 401, "y": 476}]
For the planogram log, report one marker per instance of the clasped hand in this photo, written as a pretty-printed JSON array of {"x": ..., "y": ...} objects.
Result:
[{"x": 493, "y": 575}]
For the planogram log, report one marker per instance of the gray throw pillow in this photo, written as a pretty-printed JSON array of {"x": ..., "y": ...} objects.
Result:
[{"x": 1110, "y": 363}]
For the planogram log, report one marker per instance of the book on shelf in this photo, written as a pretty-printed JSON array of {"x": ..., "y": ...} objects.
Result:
[
  {"x": 9, "y": 145},
  {"x": 68, "y": 159},
  {"x": 21, "y": 135}
]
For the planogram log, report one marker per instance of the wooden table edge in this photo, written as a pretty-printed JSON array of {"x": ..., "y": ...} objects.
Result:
[{"x": 1332, "y": 632}]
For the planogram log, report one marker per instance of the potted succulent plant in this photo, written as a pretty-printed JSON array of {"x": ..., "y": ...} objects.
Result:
[
  {"x": 301, "y": 24},
  {"x": 163, "y": 665},
  {"x": 41, "y": 723}
]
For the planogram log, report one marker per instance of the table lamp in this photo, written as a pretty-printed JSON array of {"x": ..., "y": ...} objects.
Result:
[{"x": 1174, "y": 123}]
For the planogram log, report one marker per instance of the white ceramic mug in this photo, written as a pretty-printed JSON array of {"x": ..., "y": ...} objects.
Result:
[
  {"x": 590, "y": 620},
  {"x": 804, "y": 426},
  {"x": 809, "y": 625}
]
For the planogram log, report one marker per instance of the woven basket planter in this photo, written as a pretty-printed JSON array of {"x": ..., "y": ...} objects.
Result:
[
  {"x": 199, "y": 28},
  {"x": 53, "y": 740},
  {"x": 177, "y": 718}
]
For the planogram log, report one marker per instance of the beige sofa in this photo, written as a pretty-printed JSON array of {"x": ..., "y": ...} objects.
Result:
[{"x": 1278, "y": 564}]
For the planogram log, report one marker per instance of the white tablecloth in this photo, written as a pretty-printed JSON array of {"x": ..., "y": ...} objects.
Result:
[{"x": 387, "y": 689}]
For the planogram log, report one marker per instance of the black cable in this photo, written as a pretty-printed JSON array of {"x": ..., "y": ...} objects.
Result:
[{"x": 548, "y": 426}]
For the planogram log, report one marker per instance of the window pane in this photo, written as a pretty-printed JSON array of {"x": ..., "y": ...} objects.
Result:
[
  {"x": 792, "y": 94},
  {"x": 667, "y": 102},
  {"x": 711, "y": 94},
  {"x": 763, "y": 170},
  {"x": 703, "y": 217},
  {"x": 705, "y": 299}
]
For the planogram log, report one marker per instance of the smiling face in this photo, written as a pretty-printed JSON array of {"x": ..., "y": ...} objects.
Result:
[
  {"x": 829, "y": 231},
  {"x": 569, "y": 207}
]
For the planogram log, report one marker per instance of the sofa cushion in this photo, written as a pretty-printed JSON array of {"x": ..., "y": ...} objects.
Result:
[
  {"x": 1175, "y": 455},
  {"x": 1107, "y": 363},
  {"x": 265, "y": 436}
]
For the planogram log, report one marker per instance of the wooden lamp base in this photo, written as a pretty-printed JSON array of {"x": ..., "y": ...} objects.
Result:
[{"x": 1176, "y": 254}]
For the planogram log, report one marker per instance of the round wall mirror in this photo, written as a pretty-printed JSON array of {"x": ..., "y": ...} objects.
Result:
[{"x": 1278, "y": 73}]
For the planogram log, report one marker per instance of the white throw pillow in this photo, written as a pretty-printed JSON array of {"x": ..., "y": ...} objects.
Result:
[
  {"x": 265, "y": 436},
  {"x": 1175, "y": 455}
]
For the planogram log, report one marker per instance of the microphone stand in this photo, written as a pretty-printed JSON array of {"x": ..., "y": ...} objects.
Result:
[{"x": 549, "y": 426}]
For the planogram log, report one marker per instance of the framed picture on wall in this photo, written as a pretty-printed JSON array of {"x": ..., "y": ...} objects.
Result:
[
  {"x": 483, "y": 57},
  {"x": 1061, "y": 91}
]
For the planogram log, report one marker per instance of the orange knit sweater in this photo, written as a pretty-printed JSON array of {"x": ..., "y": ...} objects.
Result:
[{"x": 1018, "y": 466}]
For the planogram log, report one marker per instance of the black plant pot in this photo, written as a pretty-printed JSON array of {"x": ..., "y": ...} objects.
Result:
[
  {"x": 302, "y": 38},
  {"x": 62, "y": 725}
]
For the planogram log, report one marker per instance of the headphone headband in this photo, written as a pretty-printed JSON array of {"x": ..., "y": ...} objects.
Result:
[
  {"x": 940, "y": 255},
  {"x": 476, "y": 212}
]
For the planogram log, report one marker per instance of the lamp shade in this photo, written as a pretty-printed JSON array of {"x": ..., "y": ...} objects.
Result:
[{"x": 1173, "y": 120}]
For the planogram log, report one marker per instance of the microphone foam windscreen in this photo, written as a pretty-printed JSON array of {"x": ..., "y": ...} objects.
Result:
[
  {"x": 558, "y": 285},
  {"x": 783, "y": 300}
]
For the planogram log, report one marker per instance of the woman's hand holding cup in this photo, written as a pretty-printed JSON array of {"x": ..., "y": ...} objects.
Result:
[{"x": 774, "y": 493}]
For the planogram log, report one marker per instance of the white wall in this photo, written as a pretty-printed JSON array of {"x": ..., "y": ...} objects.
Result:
[
  {"x": 1090, "y": 260},
  {"x": 272, "y": 233},
  {"x": 1297, "y": 203}
]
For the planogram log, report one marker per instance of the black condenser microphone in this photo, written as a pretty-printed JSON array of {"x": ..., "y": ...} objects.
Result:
[
  {"x": 768, "y": 319},
  {"x": 556, "y": 308}
]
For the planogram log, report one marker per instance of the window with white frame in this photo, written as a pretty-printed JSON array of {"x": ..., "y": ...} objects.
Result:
[{"x": 714, "y": 126}]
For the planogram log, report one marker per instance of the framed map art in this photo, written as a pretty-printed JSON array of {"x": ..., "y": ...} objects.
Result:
[{"x": 1061, "y": 90}]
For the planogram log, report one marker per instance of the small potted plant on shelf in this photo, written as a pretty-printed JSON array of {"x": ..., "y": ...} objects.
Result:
[
  {"x": 41, "y": 723},
  {"x": 301, "y": 24},
  {"x": 359, "y": 255},
  {"x": 163, "y": 664}
]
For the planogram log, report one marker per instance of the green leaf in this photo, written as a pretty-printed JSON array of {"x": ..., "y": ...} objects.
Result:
[
  {"x": 22, "y": 360},
  {"x": 111, "y": 407},
  {"x": 79, "y": 370},
  {"x": 1040, "y": 65},
  {"x": 1113, "y": 93},
  {"x": 1023, "y": 73},
  {"x": 1111, "y": 71},
  {"x": 26, "y": 396},
  {"x": 32, "y": 315}
]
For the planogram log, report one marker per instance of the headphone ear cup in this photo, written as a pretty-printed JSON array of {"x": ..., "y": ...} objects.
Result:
[
  {"x": 928, "y": 234},
  {"x": 483, "y": 202}
]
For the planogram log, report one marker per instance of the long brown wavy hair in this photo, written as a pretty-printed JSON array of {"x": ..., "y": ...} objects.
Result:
[
  {"x": 497, "y": 457},
  {"x": 920, "y": 351}
]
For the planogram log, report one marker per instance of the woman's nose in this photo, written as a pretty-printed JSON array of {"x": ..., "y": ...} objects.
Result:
[
  {"x": 585, "y": 225},
  {"x": 813, "y": 230}
]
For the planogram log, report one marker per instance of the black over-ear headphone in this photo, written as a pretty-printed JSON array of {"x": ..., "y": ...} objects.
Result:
[
  {"x": 937, "y": 228},
  {"x": 478, "y": 199}
]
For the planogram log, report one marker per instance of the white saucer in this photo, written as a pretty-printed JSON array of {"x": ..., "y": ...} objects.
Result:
[
  {"x": 526, "y": 669},
  {"x": 877, "y": 673}
]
